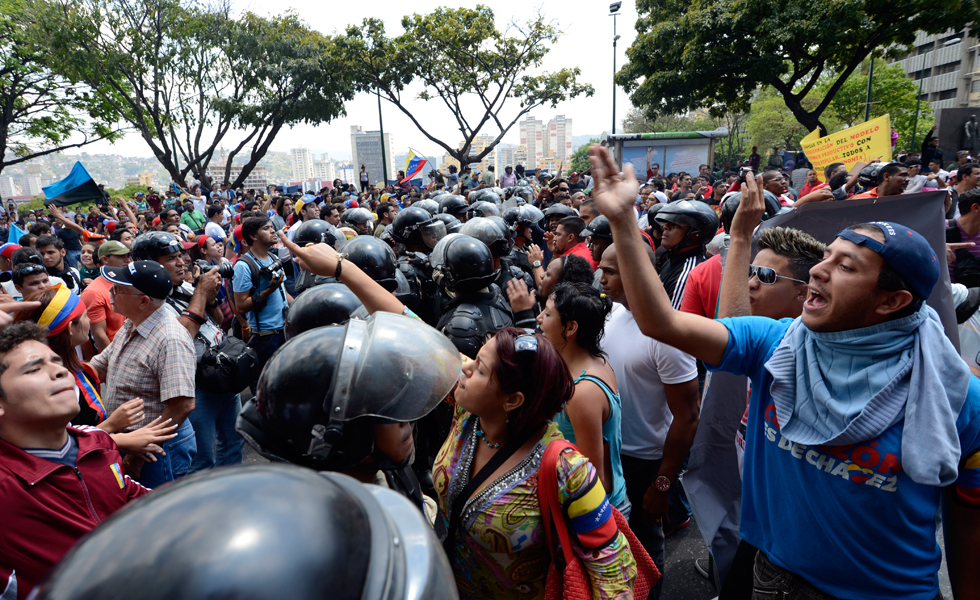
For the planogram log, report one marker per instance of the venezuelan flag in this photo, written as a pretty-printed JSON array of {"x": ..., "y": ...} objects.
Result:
[{"x": 413, "y": 166}]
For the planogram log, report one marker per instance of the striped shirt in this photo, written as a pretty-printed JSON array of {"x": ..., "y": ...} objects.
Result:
[{"x": 154, "y": 361}]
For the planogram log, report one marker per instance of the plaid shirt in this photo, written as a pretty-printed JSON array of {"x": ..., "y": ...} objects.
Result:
[{"x": 155, "y": 362}]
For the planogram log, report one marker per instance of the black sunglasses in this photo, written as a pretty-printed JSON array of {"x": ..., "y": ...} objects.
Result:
[{"x": 768, "y": 275}]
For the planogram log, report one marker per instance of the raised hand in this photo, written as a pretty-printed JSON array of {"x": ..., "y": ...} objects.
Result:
[{"x": 613, "y": 193}]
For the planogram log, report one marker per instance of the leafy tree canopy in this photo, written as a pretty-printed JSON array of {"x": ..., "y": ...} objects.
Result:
[
  {"x": 41, "y": 111},
  {"x": 715, "y": 53},
  {"x": 462, "y": 60}
]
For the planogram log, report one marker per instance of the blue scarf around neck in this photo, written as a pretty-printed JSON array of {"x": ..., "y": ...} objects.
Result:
[{"x": 850, "y": 386}]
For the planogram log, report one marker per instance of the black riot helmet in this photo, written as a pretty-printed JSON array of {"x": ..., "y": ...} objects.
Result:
[
  {"x": 451, "y": 222},
  {"x": 267, "y": 531},
  {"x": 153, "y": 245},
  {"x": 731, "y": 203},
  {"x": 318, "y": 231},
  {"x": 559, "y": 211},
  {"x": 698, "y": 216},
  {"x": 518, "y": 196},
  {"x": 598, "y": 228},
  {"x": 482, "y": 208},
  {"x": 320, "y": 395},
  {"x": 430, "y": 206},
  {"x": 453, "y": 204},
  {"x": 319, "y": 306},
  {"x": 468, "y": 265},
  {"x": 375, "y": 258},
  {"x": 868, "y": 177},
  {"x": 484, "y": 195},
  {"x": 359, "y": 219},
  {"x": 415, "y": 226},
  {"x": 496, "y": 235}
]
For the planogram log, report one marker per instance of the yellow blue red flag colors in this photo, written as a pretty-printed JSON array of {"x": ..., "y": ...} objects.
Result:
[{"x": 413, "y": 166}]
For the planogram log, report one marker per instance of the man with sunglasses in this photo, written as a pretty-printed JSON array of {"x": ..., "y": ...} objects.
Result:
[{"x": 864, "y": 421}]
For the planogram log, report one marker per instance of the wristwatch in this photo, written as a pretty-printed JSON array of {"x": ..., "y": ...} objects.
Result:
[
  {"x": 663, "y": 484},
  {"x": 536, "y": 264}
]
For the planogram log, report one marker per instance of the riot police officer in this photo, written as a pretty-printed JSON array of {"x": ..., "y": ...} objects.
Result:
[
  {"x": 496, "y": 234},
  {"x": 419, "y": 232},
  {"x": 688, "y": 226},
  {"x": 477, "y": 309},
  {"x": 315, "y": 231}
]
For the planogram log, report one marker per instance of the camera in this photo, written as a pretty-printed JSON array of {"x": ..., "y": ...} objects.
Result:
[
  {"x": 226, "y": 271},
  {"x": 273, "y": 269},
  {"x": 745, "y": 172}
]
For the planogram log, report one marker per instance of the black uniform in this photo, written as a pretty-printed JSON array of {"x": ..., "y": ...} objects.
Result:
[{"x": 471, "y": 319}]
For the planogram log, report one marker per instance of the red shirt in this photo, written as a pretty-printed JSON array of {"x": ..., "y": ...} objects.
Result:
[
  {"x": 47, "y": 507},
  {"x": 580, "y": 249},
  {"x": 701, "y": 290},
  {"x": 96, "y": 300}
]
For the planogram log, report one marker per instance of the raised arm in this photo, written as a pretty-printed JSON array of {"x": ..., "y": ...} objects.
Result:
[
  {"x": 126, "y": 209},
  {"x": 322, "y": 259},
  {"x": 56, "y": 213},
  {"x": 733, "y": 300},
  {"x": 615, "y": 194}
]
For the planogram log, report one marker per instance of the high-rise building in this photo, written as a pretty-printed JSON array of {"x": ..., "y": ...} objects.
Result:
[
  {"x": 324, "y": 170},
  {"x": 950, "y": 74},
  {"x": 505, "y": 156},
  {"x": 520, "y": 156},
  {"x": 480, "y": 144},
  {"x": 366, "y": 149},
  {"x": 7, "y": 187},
  {"x": 257, "y": 179},
  {"x": 559, "y": 139},
  {"x": 533, "y": 139},
  {"x": 302, "y": 164},
  {"x": 30, "y": 185}
]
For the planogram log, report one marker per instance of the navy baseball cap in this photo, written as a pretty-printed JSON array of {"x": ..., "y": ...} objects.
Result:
[
  {"x": 905, "y": 250},
  {"x": 147, "y": 276}
]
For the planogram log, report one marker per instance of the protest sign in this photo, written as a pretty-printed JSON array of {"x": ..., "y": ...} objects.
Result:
[{"x": 864, "y": 142}]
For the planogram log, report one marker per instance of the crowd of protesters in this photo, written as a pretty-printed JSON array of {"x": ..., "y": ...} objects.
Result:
[{"x": 438, "y": 341}]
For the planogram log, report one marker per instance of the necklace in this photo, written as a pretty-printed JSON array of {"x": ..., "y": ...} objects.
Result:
[{"x": 481, "y": 434}]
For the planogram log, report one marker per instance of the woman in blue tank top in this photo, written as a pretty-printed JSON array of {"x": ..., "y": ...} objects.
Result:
[{"x": 573, "y": 320}]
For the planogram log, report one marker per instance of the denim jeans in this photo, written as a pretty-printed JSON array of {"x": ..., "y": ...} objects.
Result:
[
  {"x": 177, "y": 463},
  {"x": 213, "y": 418},
  {"x": 640, "y": 474},
  {"x": 73, "y": 258}
]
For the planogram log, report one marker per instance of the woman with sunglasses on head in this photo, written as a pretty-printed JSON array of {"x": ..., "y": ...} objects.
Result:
[
  {"x": 573, "y": 320},
  {"x": 486, "y": 473},
  {"x": 63, "y": 314}
]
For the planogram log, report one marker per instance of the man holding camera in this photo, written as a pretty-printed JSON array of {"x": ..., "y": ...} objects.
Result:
[{"x": 258, "y": 288}]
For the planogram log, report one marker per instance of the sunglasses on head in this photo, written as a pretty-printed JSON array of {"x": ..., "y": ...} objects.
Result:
[
  {"x": 30, "y": 269},
  {"x": 768, "y": 275}
]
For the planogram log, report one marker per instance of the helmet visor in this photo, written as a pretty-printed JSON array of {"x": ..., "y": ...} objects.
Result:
[
  {"x": 432, "y": 231},
  {"x": 392, "y": 366}
]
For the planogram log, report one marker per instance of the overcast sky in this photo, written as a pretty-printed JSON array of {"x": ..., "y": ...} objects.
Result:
[{"x": 586, "y": 44}]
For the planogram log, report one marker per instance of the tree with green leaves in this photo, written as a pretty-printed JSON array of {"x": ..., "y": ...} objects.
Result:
[
  {"x": 892, "y": 94},
  {"x": 188, "y": 78},
  {"x": 41, "y": 112},
  {"x": 770, "y": 123},
  {"x": 461, "y": 59},
  {"x": 714, "y": 53},
  {"x": 580, "y": 158}
]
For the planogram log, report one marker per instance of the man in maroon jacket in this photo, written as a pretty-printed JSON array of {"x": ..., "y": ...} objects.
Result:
[{"x": 56, "y": 482}]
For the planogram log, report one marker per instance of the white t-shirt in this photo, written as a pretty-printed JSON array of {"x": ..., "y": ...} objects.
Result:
[
  {"x": 642, "y": 366},
  {"x": 213, "y": 230}
]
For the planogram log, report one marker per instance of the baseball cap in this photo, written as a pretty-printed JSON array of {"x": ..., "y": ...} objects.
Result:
[
  {"x": 112, "y": 248},
  {"x": 905, "y": 250},
  {"x": 7, "y": 250},
  {"x": 110, "y": 226},
  {"x": 188, "y": 245},
  {"x": 147, "y": 276}
]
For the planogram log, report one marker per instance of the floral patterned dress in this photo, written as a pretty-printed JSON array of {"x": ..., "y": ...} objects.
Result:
[{"x": 501, "y": 547}]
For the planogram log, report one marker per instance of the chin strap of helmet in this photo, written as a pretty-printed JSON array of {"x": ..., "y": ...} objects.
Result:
[{"x": 325, "y": 437}]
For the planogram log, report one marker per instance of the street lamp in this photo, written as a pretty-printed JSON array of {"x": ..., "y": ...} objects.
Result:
[
  {"x": 918, "y": 100},
  {"x": 614, "y": 12}
]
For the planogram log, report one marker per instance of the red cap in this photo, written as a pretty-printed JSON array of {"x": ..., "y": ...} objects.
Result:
[
  {"x": 111, "y": 226},
  {"x": 156, "y": 221},
  {"x": 188, "y": 245},
  {"x": 7, "y": 250}
]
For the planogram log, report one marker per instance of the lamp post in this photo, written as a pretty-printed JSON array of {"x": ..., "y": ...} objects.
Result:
[
  {"x": 614, "y": 12},
  {"x": 384, "y": 160},
  {"x": 918, "y": 100},
  {"x": 867, "y": 99}
]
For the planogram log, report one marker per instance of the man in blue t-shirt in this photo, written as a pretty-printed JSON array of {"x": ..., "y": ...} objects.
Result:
[
  {"x": 258, "y": 288},
  {"x": 862, "y": 423}
]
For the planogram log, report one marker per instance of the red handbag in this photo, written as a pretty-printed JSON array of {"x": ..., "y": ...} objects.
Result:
[{"x": 573, "y": 582}]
